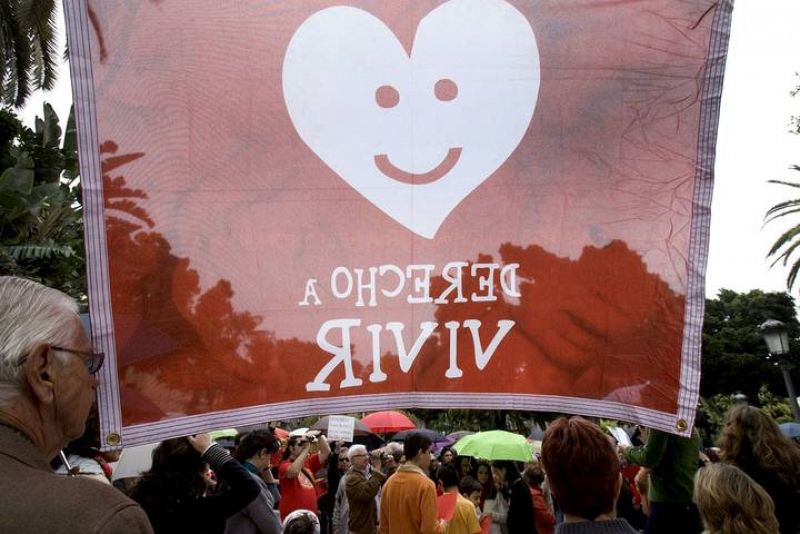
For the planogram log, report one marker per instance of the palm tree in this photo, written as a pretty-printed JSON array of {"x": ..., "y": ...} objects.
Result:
[
  {"x": 789, "y": 241},
  {"x": 28, "y": 57}
]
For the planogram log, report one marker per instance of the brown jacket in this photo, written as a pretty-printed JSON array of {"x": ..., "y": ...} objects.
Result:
[
  {"x": 361, "y": 492},
  {"x": 36, "y": 500}
]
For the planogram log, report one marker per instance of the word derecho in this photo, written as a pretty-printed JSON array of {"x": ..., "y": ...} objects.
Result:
[{"x": 365, "y": 287}]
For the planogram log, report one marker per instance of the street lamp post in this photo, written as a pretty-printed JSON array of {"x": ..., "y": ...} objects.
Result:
[{"x": 777, "y": 338}]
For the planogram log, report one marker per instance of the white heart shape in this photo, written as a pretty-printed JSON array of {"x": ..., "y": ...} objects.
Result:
[{"x": 340, "y": 56}]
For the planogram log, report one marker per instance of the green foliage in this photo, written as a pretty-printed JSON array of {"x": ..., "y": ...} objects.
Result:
[
  {"x": 41, "y": 223},
  {"x": 717, "y": 406},
  {"x": 28, "y": 57},
  {"x": 776, "y": 407},
  {"x": 734, "y": 354}
]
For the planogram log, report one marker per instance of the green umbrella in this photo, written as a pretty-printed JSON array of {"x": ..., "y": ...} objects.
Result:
[
  {"x": 224, "y": 433},
  {"x": 495, "y": 445}
]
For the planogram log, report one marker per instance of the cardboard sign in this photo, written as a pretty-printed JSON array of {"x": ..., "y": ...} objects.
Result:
[
  {"x": 340, "y": 428},
  {"x": 313, "y": 207}
]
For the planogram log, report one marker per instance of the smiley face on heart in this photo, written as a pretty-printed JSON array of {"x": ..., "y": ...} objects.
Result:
[{"x": 414, "y": 133}]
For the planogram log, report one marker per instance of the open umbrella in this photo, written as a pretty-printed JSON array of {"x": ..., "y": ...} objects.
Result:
[
  {"x": 495, "y": 445},
  {"x": 359, "y": 430},
  {"x": 362, "y": 435},
  {"x": 432, "y": 435},
  {"x": 790, "y": 430},
  {"x": 388, "y": 422},
  {"x": 134, "y": 461},
  {"x": 455, "y": 436}
]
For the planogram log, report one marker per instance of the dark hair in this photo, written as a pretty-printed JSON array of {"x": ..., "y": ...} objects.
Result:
[
  {"x": 468, "y": 485},
  {"x": 175, "y": 475},
  {"x": 447, "y": 475},
  {"x": 415, "y": 443},
  {"x": 582, "y": 467},
  {"x": 256, "y": 441},
  {"x": 534, "y": 475},
  {"x": 444, "y": 450},
  {"x": 288, "y": 451},
  {"x": 510, "y": 467}
]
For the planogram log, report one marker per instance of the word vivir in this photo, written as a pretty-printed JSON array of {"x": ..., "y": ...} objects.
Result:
[
  {"x": 389, "y": 281},
  {"x": 342, "y": 354}
]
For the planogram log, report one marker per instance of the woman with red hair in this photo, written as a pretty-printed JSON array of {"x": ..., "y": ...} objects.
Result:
[{"x": 583, "y": 472}]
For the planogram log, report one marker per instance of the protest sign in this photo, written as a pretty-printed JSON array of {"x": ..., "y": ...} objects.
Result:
[
  {"x": 312, "y": 207},
  {"x": 341, "y": 428}
]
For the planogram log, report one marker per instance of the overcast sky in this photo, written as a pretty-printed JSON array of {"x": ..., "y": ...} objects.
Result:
[{"x": 753, "y": 146}]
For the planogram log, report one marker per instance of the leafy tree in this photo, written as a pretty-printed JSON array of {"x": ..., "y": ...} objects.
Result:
[
  {"x": 41, "y": 217},
  {"x": 734, "y": 354},
  {"x": 28, "y": 57}
]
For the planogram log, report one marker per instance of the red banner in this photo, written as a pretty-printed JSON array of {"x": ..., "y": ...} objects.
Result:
[{"x": 324, "y": 207}]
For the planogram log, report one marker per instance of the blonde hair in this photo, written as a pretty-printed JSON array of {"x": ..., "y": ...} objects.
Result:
[
  {"x": 730, "y": 502},
  {"x": 750, "y": 438}
]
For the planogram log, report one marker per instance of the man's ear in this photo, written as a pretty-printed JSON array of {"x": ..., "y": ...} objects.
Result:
[{"x": 39, "y": 372}]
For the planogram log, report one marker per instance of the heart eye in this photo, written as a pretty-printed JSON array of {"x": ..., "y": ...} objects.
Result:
[
  {"x": 387, "y": 96},
  {"x": 445, "y": 90}
]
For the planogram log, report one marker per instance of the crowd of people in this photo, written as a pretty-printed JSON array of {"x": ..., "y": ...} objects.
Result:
[{"x": 582, "y": 481}]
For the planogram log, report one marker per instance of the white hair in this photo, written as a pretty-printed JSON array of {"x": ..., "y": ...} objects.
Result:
[
  {"x": 356, "y": 449},
  {"x": 30, "y": 314}
]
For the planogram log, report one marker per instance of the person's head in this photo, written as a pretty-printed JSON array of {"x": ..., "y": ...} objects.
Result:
[
  {"x": 417, "y": 450},
  {"x": 301, "y": 522},
  {"x": 471, "y": 489},
  {"x": 484, "y": 473},
  {"x": 749, "y": 436},
  {"x": 257, "y": 447},
  {"x": 359, "y": 457},
  {"x": 448, "y": 477},
  {"x": 47, "y": 382},
  {"x": 294, "y": 447},
  {"x": 446, "y": 455},
  {"x": 582, "y": 467},
  {"x": 730, "y": 502},
  {"x": 505, "y": 472},
  {"x": 534, "y": 474},
  {"x": 176, "y": 471},
  {"x": 464, "y": 466},
  {"x": 343, "y": 460}
]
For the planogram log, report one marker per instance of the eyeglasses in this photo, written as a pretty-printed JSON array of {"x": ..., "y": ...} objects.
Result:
[{"x": 92, "y": 360}]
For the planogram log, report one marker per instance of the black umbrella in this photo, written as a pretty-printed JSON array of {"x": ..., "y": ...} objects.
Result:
[{"x": 432, "y": 435}]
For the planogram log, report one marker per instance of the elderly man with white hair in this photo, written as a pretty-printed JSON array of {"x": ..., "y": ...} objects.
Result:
[
  {"x": 47, "y": 386},
  {"x": 362, "y": 484}
]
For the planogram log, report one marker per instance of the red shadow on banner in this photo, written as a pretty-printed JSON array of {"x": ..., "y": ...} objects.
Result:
[{"x": 600, "y": 326}]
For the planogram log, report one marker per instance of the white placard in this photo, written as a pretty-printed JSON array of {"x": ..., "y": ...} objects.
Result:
[{"x": 340, "y": 428}]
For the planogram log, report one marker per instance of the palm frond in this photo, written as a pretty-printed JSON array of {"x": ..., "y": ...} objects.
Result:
[
  {"x": 790, "y": 279},
  {"x": 784, "y": 182},
  {"x": 16, "y": 44},
  {"x": 786, "y": 254},
  {"x": 39, "y": 17},
  {"x": 783, "y": 239},
  {"x": 30, "y": 252},
  {"x": 780, "y": 206}
]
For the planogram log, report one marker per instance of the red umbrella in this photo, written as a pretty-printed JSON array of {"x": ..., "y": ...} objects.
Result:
[{"x": 388, "y": 422}]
